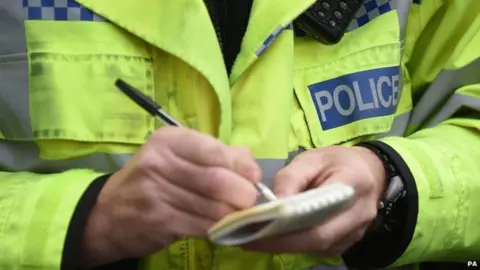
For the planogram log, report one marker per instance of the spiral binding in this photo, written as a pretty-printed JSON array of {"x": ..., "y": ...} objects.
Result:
[{"x": 316, "y": 200}]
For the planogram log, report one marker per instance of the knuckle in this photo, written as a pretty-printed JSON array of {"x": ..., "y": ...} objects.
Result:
[
  {"x": 216, "y": 150},
  {"x": 171, "y": 214},
  {"x": 167, "y": 166},
  {"x": 218, "y": 211},
  {"x": 147, "y": 189},
  {"x": 152, "y": 219},
  {"x": 164, "y": 132},
  {"x": 284, "y": 174},
  {"x": 243, "y": 151},
  {"x": 369, "y": 184},
  {"x": 148, "y": 161},
  {"x": 147, "y": 196},
  {"x": 249, "y": 197},
  {"x": 213, "y": 181},
  {"x": 166, "y": 216},
  {"x": 218, "y": 153},
  {"x": 154, "y": 165}
]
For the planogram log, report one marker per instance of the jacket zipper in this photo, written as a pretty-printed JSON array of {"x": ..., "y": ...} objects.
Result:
[
  {"x": 230, "y": 20},
  {"x": 216, "y": 9}
]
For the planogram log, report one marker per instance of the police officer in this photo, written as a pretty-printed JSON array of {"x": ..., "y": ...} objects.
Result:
[{"x": 90, "y": 180}]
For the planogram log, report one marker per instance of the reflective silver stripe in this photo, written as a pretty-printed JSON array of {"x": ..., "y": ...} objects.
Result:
[
  {"x": 269, "y": 168},
  {"x": 444, "y": 85},
  {"x": 294, "y": 154},
  {"x": 399, "y": 126},
  {"x": 24, "y": 156},
  {"x": 14, "y": 98},
  {"x": 453, "y": 105},
  {"x": 403, "y": 9}
]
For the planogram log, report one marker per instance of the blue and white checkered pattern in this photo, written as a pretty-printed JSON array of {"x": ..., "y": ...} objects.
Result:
[
  {"x": 58, "y": 10},
  {"x": 369, "y": 11},
  {"x": 272, "y": 38}
]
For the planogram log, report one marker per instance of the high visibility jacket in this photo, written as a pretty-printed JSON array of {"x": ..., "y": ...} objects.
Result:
[{"x": 406, "y": 74}]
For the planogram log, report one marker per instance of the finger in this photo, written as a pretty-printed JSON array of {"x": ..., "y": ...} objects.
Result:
[
  {"x": 216, "y": 183},
  {"x": 314, "y": 240},
  {"x": 182, "y": 224},
  {"x": 346, "y": 228},
  {"x": 299, "y": 174},
  {"x": 201, "y": 149},
  {"x": 193, "y": 203},
  {"x": 192, "y": 145},
  {"x": 339, "y": 248},
  {"x": 245, "y": 164}
]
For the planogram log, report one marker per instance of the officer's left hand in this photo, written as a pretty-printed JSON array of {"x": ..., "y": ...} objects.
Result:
[{"x": 354, "y": 166}]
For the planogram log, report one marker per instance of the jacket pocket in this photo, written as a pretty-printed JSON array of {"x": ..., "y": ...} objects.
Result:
[{"x": 72, "y": 98}]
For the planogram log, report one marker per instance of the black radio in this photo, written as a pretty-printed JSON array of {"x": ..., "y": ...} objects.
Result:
[{"x": 327, "y": 20}]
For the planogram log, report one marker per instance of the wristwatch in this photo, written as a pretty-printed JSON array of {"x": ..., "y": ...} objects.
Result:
[
  {"x": 392, "y": 205},
  {"x": 392, "y": 230}
]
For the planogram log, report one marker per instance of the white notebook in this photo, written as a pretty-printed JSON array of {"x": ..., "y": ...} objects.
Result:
[{"x": 293, "y": 213}]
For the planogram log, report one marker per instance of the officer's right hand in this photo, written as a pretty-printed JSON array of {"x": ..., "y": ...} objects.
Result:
[{"x": 178, "y": 185}]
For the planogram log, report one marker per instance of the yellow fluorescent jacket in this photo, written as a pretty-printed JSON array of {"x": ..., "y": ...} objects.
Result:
[{"x": 405, "y": 73}]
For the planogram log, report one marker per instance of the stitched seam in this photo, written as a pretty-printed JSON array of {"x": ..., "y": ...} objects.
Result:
[
  {"x": 13, "y": 58},
  {"x": 85, "y": 56},
  {"x": 282, "y": 262}
]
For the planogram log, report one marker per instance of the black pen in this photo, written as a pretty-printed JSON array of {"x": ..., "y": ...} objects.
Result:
[
  {"x": 156, "y": 110},
  {"x": 146, "y": 103}
]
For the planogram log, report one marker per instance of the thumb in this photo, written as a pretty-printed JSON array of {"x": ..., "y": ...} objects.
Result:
[{"x": 298, "y": 175}]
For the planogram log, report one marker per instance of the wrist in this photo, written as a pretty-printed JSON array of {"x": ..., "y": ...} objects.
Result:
[
  {"x": 95, "y": 247},
  {"x": 98, "y": 247},
  {"x": 377, "y": 169}
]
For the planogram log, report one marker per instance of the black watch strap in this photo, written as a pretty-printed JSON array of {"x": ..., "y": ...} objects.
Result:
[
  {"x": 390, "y": 168},
  {"x": 394, "y": 193},
  {"x": 383, "y": 246}
]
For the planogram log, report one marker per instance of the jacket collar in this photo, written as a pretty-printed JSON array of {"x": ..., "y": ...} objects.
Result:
[{"x": 184, "y": 29}]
